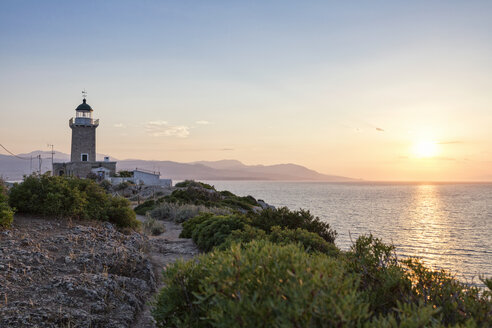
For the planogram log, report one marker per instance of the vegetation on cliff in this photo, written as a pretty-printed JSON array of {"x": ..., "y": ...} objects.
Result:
[
  {"x": 182, "y": 212},
  {"x": 280, "y": 268},
  {"x": 201, "y": 194},
  {"x": 6, "y": 212},
  {"x": 70, "y": 198},
  {"x": 267, "y": 285}
]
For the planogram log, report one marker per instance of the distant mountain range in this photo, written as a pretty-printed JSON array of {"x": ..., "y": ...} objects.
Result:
[{"x": 13, "y": 168}]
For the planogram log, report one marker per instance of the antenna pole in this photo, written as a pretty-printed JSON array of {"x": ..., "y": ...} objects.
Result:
[
  {"x": 52, "y": 156},
  {"x": 39, "y": 158}
]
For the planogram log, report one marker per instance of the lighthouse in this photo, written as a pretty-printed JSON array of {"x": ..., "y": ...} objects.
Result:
[
  {"x": 83, "y": 162},
  {"x": 83, "y": 134}
]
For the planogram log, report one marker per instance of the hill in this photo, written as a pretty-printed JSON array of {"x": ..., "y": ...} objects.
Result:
[{"x": 12, "y": 168}]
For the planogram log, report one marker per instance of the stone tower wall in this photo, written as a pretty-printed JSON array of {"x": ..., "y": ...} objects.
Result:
[{"x": 83, "y": 141}]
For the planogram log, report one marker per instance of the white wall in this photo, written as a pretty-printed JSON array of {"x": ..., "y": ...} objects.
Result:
[{"x": 148, "y": 179}]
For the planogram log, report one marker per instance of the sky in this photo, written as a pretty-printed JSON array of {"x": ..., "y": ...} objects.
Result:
[{"x": 378, "y": 90}]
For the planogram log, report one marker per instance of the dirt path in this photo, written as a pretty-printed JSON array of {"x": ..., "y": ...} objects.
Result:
[{"x": 165, "y": 249}]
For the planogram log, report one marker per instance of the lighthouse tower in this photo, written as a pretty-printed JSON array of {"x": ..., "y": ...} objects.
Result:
[
  {"x": 83, "y": 161},
  {"x": 83, "y": 134}
]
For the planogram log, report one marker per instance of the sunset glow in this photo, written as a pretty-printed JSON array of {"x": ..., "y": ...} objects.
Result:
[
  {"x": 354, "y": 90},
  {"x": 425, "y": 149}
]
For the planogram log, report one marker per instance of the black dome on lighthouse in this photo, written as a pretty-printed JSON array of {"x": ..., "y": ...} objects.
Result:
[{"x": 84, "y": 107}]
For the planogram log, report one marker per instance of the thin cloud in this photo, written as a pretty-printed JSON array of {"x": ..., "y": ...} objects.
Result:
[
  {"x": 164, "y": 129},
  {"x": 442, "y": 158},
  {"x": 203, "y": 122},
  {"x": 119, "y": 125},
  {"x": 379, "y": 129},
  {"x": 450, "y": 142}
]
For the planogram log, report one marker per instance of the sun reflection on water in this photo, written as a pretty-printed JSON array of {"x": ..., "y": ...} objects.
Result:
[{"x": 428, "y": 234}]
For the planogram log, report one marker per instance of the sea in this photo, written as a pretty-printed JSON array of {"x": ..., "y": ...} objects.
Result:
[{"x": 447, "y": 225}]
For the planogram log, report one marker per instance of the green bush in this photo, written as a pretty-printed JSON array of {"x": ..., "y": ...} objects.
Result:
[
  {"x": 457, "y": 302},
  {"x": 146, "y": 206},
  {"x": 106, "y": 185},
  {"x": 175, "y": 304},
  {"x": 210, "y": 231},
  {"x": 123, "y": 185},
  {"x": 408, "y": 315},
  {"x": 192, "y": 183},
  {"x": 96, "y": 200},
  {"x": 285, "y": 218},
  {"x": 49, "y": 196},
  {"x": 6, "y": 212},
  {"x": 268, "y": 285},
  {"x": 190, "y": 225},
  {"x": 194, "y": 195},
  {"x": 70, "y": 198},
  {"x": 124, "y": 174},
  {"x": 383, "y": 279},
  {"x": 310, "y": 241},
  {"x": 120, "y": 213},
  {"x": 6, "y": 215},
  {"x": 244, "y": 236},
  {"x": 182, "y": 212},
  {"x": 213, "y": 231},
  {"x": 262, "y": 285},
  {"x": 198, "y": 193}
]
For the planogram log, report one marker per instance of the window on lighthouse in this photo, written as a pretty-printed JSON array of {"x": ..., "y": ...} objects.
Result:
[
  {"x": 84, "y": 114},
  {"x": 84, "y": 157}
]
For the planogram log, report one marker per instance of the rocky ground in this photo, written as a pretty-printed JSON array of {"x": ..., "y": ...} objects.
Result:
[{"x": 56, "y": 273}]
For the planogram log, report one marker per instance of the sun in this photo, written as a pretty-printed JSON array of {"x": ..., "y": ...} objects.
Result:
[{"x": 425, "y": 149}]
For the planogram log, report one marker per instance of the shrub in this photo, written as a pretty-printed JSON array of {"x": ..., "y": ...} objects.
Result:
[
  {"x": 190, "y": 225},
  {"x": 285, "y": 218},
  {"x": 96, "y": 199},
  {"x": 146, "y": 206},
  {"x": 198, "y": 193},
  {"x": 382, "y": 277},
  {"x": 310, "y": 241},
  {"x": 262, "y": 285},
  {"x": 214, "y": 230},
  {"x": 408, "y": 315},
  {"x": 457, "y": 302},
  {"x": 182, "y": 212},
  {"x": 175, "y": 305},
  {"x": 243, "y": 236},
  {"x": 70, "y": 198},
  {"x": 121, "y": 214},
  {"x": 45, "y": 195},
  {"x": 192, "y": 183},
  {"x": 124, "y": 174},
  {"x": 6, "y": 213},
  {"x": 194, "y": 195},
  {"x": 123, "y": 185},
  {"x": 388, "y": 284},
  {"x": 106, "y": 185},
  {"x": 152, "y": 226}
]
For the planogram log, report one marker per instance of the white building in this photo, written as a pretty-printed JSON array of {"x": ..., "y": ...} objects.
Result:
[{"x": 145, "y": 177}]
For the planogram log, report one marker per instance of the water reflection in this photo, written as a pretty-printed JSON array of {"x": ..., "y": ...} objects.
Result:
[{"x": 428, "y": 232}]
